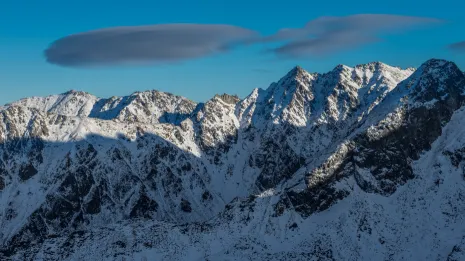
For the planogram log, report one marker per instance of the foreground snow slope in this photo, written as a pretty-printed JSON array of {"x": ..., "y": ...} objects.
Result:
[{"x": 359, "y": 163}]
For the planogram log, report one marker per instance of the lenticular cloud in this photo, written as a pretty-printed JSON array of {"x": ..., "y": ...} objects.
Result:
[{"x": 144, "y": 44}]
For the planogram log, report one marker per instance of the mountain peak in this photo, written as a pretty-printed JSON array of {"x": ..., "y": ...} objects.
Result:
[
  {"x": 438, "y": 63},
  {"x": 227, "y": 98},
  {"x": 438, "y": 66},
  {"x": 373, "y": 66},
  {"x": 75, "y": 92},
  {"x": 296, "y": 71},
  {"x": 341, "y": 68},
  {"x": 298, "y": 68},
  {"x": 435, "y": 80}
]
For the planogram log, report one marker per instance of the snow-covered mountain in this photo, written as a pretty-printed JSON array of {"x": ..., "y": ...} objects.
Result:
[{"x": 360, "y": 163}]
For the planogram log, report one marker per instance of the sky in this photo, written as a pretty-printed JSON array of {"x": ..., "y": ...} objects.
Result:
[{"x": 199, "y": 48}]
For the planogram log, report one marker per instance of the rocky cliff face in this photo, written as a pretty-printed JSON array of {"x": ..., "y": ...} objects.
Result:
[{"x": 354, "y": 164}]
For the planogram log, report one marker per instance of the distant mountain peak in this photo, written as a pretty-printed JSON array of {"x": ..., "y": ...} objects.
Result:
[
  {"x": 342, "y": 67},
  {"x": 437, "y": 61},
  {"x": 376, "y": 65},
  {"x": 75, "y": 92},
  {"x": 296, "y": 71},
  {"x": 438, "y": 67},
  {"x": 231, "y": 99}
]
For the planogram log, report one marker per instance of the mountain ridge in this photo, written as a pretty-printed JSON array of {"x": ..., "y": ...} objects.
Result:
[
  {"x": 245, "y": 173},
  {"x": 84, "y": 93}
]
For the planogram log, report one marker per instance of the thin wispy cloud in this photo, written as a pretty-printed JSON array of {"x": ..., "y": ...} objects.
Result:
[
  {"x": 327, "y": 35},
  {"x": 460, "y": 46},
  {"x": 145, "y": 44}
]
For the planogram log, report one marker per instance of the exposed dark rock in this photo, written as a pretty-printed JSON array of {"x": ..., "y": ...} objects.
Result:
[
  {"x": 186, "y": 206},
  {"x": 232, "y": 99},
  {"x": 27, "y": 171},
  {"x": 314, "y": 200},
  {"x": 277, "y": 161},
  {"x": 206, "y": 196},
  {"x": 94, "y": 205},
  {"x": 457, "y": 253},
  {"x": 456, "y": 157},
  {"x": 144, "y": 207},
  {"x": 120, "y": 244},
  {"x": 293, "y": 226}
]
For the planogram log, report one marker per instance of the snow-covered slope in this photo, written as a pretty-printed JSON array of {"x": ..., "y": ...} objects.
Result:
[{"x": 359, "y": 163}]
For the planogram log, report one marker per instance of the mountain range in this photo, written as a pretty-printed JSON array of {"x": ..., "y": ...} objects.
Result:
[{"x": 360, "y": 163}]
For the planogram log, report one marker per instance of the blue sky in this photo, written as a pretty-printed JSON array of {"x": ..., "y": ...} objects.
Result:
[{"x": 31, "y": 26}]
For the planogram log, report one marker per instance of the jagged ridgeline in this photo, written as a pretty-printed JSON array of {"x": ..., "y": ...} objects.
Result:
[{"x": 360, "y": 163}]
